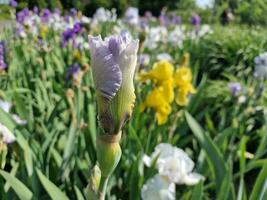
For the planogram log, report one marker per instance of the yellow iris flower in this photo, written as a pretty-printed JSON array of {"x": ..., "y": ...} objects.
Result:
[
  {"x": 161, "y": 97},
  {"x": 182, "y": 80},
  {"x": 156, "y": 100},
  {"x": 162, "y": 71}
]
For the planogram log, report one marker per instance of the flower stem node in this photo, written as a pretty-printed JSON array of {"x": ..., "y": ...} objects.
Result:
[{"x": 108, "y": 153}]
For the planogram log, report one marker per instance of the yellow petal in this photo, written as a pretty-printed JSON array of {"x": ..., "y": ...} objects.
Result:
[
  {"x": 182, "y": 76},
  {"x": 161, "y": 118},
  {"x": 161, "y": 71},
  {"x": 181, "y": 98},
  {"x": 168, "y": 93}
]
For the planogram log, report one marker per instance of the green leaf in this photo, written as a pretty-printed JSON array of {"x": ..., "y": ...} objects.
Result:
[
  {"x": 78, "y": 193},
  {"x": 260, "y": 188},
  {"x": 197, "y": 193},
  {"x": 20, "y": 189},
  {"x": 54, "y": 192},
  {"x": 214, "y": 156}
]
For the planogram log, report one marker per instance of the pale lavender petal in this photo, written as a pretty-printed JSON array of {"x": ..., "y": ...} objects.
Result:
[
  {"x": 6, "y": 134},
  {"x": 106, "y": 72},
  {"x": 18, "y": 120},
  {"x": 5, "y": 106}
]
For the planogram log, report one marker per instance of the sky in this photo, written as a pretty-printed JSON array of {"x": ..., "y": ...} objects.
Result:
[{"x": 204, "y": 3}]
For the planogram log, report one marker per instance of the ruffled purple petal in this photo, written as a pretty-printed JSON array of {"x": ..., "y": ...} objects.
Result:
[{"x": 106, "y": 71}]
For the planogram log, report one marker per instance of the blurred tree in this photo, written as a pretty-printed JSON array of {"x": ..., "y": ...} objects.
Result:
[
  {"x": 253, "y": 12},
  {"x": 233, "y": 4},
  {"x": 55, "y": 4}
]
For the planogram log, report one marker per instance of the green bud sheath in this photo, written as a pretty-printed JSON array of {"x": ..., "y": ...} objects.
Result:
[
  {"x": 108, "y": 153},
  {"x": 94, "y": 182}
]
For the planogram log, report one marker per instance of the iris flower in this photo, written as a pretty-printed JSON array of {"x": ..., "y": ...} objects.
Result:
[
  {"x": 166, "y": 81},
  {"x": 162, "y": 96},
  {"x": 113, "y": 65},
  {"x": 182, "y": 80},
  {"x": 174, "y": 167}
]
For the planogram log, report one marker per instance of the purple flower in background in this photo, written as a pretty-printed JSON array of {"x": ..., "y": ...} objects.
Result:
[
  {"x": 57, "y": 11},
  {"x": 235, "y": 88},
  {"x": 71, "y": 71},
  {"x": 40, "y": 41},
  {"x": 70, "y": 34},
  {"x": 13, "y": 3},
  {"x": 260, "y": 70},
  {"x": 148, "y": 15},
  {"x": 195, "y": 19},
  {"x": 77, "y": 28},
  {"x": 35, "y": 10},
  {"x": 131, "y": 16},
  {"x": 3, "y": 65},
  {"x": 175, "y": 19},
  {"x": 22, "y": 15},
  {"x": 20, "y": 32},
  {"x": 144, "y": 24},
  {"x": 73, "y": 11},
  {"x": 164, "y": 19},
  {"x": 143, "y": 60},
  {"x": 45, "y": 15}
]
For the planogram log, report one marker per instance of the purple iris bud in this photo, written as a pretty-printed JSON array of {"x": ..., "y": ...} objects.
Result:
[
  {"x": 67, "y": 18},
  {"x": 260, "y": 70},
  {"x": 26, "y": 12},
  {"x": 75, "y": 43},
  {"x": 113, "y": 63},
  {"x": 68, "y": 34},
  {"x": 164, "y": 19},
  {"x": 195, "y": 19},
  {"x": 3, "y": 65},
  {"x": 148, "y": 15},
  {"x": 235, "y": 88},
  {"x": 175, "y": 19},
  {"x": 35, "y": 10},
  {"x": 13, "y": 3},
  {"x": 20, "y": 16},
  {"x": 143, "y": 24},
  {"x": 71, "y": 71},
  {"x": 45, "y": 14},
  {"x": 20, "y": 32},
  {"x": 131, "y": 16},
  {"x": 40, "y": 41},
  {"x": 77, "y": 28},
  {"x": 73, "y": 11},
  {"x": 57, "y": 11},
  {"x": 143, "y": 60}
]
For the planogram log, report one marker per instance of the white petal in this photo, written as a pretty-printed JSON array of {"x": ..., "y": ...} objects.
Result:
[
  {"x": 18, "y": 120},
  {"x": 6, "y": 134},
  {"x": 193, "y": 178},
  {"x": 147, "y": 160},
  {"x": 5, "y": 106},
  {"x": 157, "y": 188}
]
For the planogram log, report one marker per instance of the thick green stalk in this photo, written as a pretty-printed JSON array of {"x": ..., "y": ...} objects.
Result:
[{"x": 102, "y": 188}]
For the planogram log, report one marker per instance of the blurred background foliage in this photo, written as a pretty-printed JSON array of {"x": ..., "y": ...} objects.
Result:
[{"x": 249, "y": 12}]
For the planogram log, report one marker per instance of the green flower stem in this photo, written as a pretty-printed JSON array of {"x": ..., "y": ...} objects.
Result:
[{"x": 102, "y": 188}]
